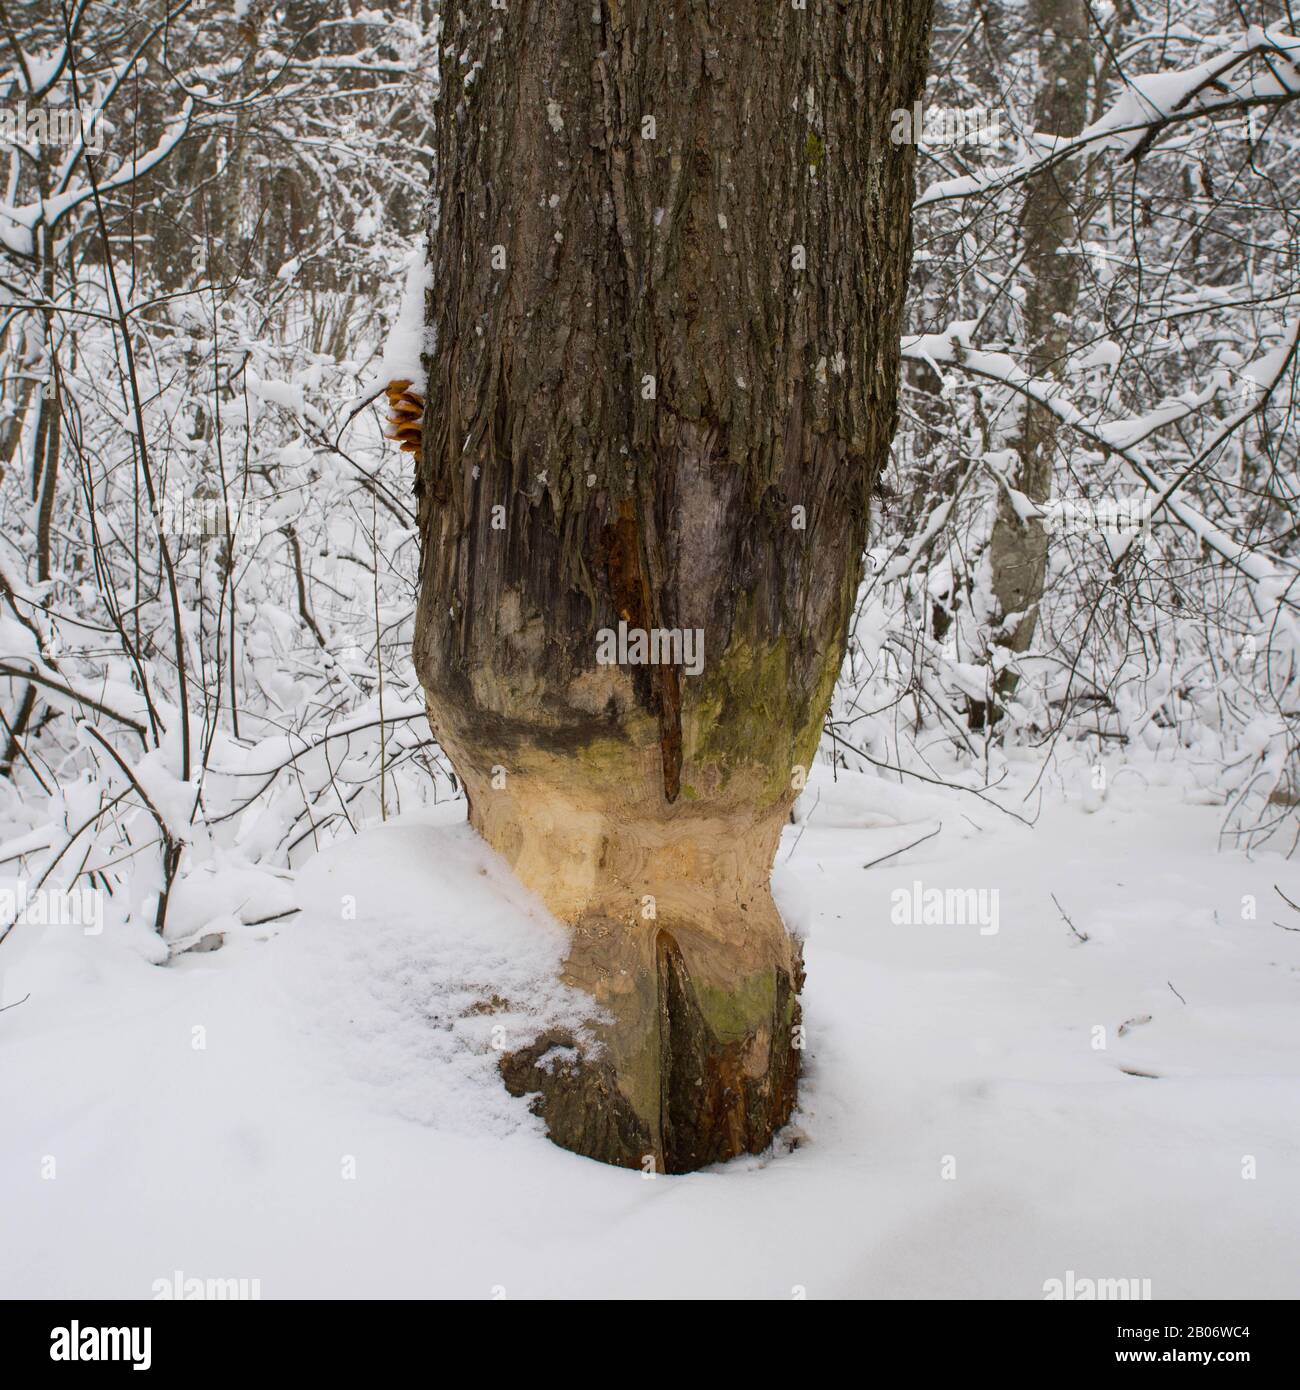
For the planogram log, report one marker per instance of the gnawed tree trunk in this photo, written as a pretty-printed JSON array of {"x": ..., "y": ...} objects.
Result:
[
  {"x": 669, "y": 250},
  {"x": 1018, "y": 548}
]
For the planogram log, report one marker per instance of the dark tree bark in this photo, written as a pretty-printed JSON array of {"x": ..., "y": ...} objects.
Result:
[{"x": 670, "y": 246}]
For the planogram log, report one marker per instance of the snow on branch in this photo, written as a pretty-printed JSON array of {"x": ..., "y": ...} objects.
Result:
[
  {"x": 18, "y": 224},
  {"x": 1260, "y": 68},
  {"x": 1274, "y": 575}
]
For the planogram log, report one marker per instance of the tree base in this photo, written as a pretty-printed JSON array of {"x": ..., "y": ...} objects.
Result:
[
  {"x": 692, "y": 1055},
  {"x": 720, "y": 1088}
]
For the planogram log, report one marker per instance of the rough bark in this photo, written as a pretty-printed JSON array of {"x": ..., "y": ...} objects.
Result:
[
  {"x": 1018, "y": 549},
  {"x": 670, "y": 246}
]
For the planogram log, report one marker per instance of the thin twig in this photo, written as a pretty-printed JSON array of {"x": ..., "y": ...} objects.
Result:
[
  {"x": 804, "y": 826},
  {"x": 1083, "y": 936},
  {"x": 893, "y": 852}
]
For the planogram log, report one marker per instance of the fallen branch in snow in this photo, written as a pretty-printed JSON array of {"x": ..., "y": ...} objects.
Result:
[
  {"x": 1083, "y": 936},
  {"x": 804, "y": 826},
  {"x": 1293, "y": 906},
  {"x": 274, "y": 917},
  {"x": 894, "y": 853},
  {"x": 933, "y": 781}
]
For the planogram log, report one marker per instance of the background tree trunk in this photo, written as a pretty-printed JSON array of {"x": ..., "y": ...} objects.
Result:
[
  {"x": 669, "y": 248},
  {"x": 1018, "y": 549}
]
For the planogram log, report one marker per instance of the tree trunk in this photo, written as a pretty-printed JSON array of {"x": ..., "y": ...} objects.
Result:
[
  {"x": 1018, "y": 549},
  {"x": 670, "y": 247}
]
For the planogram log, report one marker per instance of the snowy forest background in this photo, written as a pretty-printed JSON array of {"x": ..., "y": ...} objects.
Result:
[{"x": 208, "y": 553}]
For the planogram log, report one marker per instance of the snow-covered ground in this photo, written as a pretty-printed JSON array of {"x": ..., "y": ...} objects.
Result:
[{"x": 314, "y": 1105}]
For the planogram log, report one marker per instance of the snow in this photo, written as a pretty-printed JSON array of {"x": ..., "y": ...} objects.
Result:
[
  {"x": 951, "y": 347},
  {"x": 408, "y": 339},
  {"x": 346, "y": 1040},
  {"x": 1223, "y": 82},
  {"x": 19, "y": 236},
  {"x": 291, "y": 395},
  {"x": 1103, "y": 354}
]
